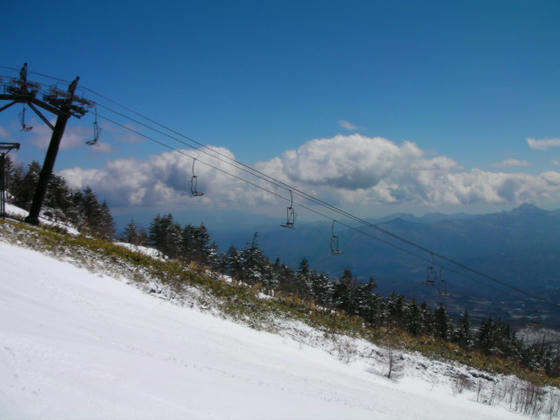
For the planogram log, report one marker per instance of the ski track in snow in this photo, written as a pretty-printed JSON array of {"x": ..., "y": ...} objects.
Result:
[{"x": 74, "y": 344}]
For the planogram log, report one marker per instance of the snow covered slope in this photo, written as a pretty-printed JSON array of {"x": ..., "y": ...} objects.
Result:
[{"x": 74, "y": 344}]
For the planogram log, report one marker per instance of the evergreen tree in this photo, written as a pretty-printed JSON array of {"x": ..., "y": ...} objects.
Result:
[
  {"x": 442, "y": 323},
  {"x": 165, "y": 236},
  {"x": 287, "y": 278},
  {"x": 463, "y": 334},
  {"x": 8, "y": 174},
  {"x": 254, "y": 262},
  {"x": 104, "y": 227},
  {"x": 235, "y": 264},
  {"x": 345, "y": 293},
  {"x": 24, "y": 188},
  {"x": 303, "y": 277},
  {"x": 414, "y": 319},
  {"x": 397, "y": 310},
  {"x": 133, "y": 234},
  {"x": 323, "y": 289},
  {"x": 58, "y": 199}
]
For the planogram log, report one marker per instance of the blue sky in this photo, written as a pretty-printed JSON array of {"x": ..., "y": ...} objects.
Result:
[{"x": 466, "y": 83}]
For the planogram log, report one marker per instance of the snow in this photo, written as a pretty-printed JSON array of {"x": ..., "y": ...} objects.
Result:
[
  {"x": 15, "y": 211},
  {"x": 150, "y": 252},
  {"x": 74, "y": 344}
]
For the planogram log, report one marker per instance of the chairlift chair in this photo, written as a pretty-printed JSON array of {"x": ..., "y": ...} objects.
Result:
[
  {"x": 194, "y": 183},
  {"x": 290, "y": 214},
  {"x": 334, "y": 242},
  {"x": 96, "y": 132},
  {"x": 442, "y": 286},
  {"x": 431, "y": 274}
]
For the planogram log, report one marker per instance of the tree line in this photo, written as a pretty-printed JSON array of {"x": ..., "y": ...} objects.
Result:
[
  {"x": 249, "y": 265},
  {"x": 81, "y": 208}
]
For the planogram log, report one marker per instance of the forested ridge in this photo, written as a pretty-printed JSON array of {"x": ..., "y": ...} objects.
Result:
[
  {"x": 193, "y": 245},
  {"x": 81, "y": 208}
]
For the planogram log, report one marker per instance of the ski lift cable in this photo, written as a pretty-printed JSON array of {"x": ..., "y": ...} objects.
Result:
[
  {"x": 344, "y": 213},
  {"x": 274, "y": 193},
  {"x": 182, "y": 152},
  {"x": 253, "y": 171},
  {"x": 314, "y": 199}
]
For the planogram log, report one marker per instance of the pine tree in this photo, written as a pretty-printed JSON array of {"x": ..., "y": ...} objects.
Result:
[
  {"x": 24, "y": 188},
  {"x": 105, "y": 226},
  {"x": 345, "y": 293},
  {"x": 287, "y": 278},
  {"x": 303, "y": 277},
  {"x": 58, "y": 199},
  {"x": 442, "y": 323},
  {"x": 202, "y": 248},
  {"x": 323, "y": 289},
  {"x": 165, "y": 236},
  {"x": 254, "y": 262},
  {"x": 463, "y": 334},
  {"x": 8, "y": 175},
  {"x": 235, "y": 264},
  {"x": 90, "y": 209},
  {"x": 486, "y": 337},
  {"x": 397, "y": 310},
  {"x": 414, "y": 319},
  {"x": 133, "y": 234}
]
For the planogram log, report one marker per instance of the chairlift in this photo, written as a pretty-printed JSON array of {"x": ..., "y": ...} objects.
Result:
[
  {"x": 431, "y": 274},
  {"x": 24, "y": 127},
  {"x": 334, "y": 241},
  {"x": 290, "y": 214},
  {"x": 194, "y": 183},
  {"x": 96, "y": 131},
  {"x": 442, "y": 286}
]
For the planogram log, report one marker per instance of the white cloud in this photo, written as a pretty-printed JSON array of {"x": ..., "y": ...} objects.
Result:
[
  {"x": 510, "y": 162},
  {"x": 543, "y": 144},
  {"x": 363, "y": 170},
  {"x": 348, "y": 125},
  {"x": 344, "y": 170},
  {"x": 164, "y": 180},
  {"x": 354, "y": 162}
]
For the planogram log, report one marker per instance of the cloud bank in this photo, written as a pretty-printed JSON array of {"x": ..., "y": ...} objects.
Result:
[
  {"x": 164, "y": 180},
  {"x": 351, "y": 169}
]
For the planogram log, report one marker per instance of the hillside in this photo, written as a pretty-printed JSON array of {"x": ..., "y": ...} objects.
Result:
[
  {"x": 519, "y": 247},
  {"x": 80, "y": 340}
]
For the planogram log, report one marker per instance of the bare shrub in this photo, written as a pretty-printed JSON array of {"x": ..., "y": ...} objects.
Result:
[
  {"x": 460, "y": 382},
  {"x": 395, "y": 365}
]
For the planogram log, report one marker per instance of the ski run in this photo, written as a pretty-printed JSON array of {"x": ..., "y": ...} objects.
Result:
[{"x": 77, "y": 344}]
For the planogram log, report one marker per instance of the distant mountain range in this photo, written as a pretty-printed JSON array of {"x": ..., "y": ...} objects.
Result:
[{"x": 520, "y": 248}]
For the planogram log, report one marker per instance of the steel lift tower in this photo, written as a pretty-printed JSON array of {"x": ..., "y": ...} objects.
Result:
[{"x": 63, "y": 104}]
